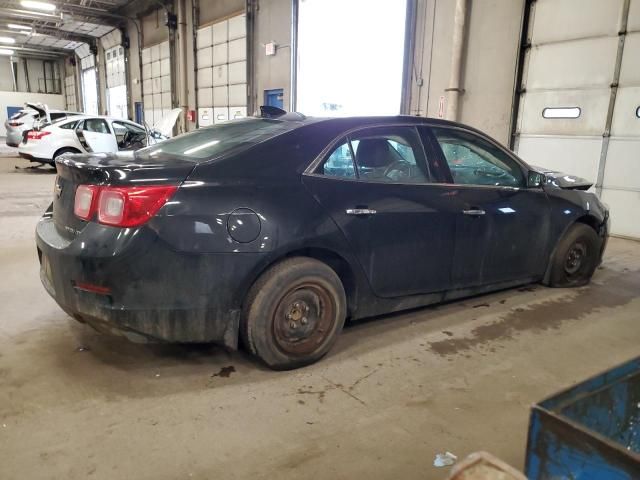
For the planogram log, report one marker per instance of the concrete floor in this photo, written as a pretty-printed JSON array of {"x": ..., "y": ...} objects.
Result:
[{"x": 393, "y": 393}]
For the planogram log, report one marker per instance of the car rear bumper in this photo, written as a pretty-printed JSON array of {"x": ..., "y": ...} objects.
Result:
[
  {"x": 31, "y": 158},
  {"x": 156, "y": 294}
]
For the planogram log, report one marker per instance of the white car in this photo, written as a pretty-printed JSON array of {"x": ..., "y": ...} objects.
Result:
[
  {"x": 34, "y": 115},
  {"x": 92, "y": 133}
]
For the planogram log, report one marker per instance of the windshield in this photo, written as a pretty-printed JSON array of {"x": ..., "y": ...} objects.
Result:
[{"x": 208, "y": 142}]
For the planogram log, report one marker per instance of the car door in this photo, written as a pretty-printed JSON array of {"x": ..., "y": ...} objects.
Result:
[
  {"x": 95, "y": 135},
  {"x": 376, "y": 185},
  {"x": 502, "y": 226}
]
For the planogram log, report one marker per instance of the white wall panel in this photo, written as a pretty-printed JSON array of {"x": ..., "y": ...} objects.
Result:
[
  {"x": 592, "y": 103},
  {"x": 205, "y": 77},
  {"x": 220, "y": 32},
  {"x": 204, "y": 57},
  {"x": 204, "y": 37},
  {"x": 633, "y": 24},
  {"x": 238, "y": 94},
  {"x": 220, "y": 54},
  {"x": 558, "y": 20},
  {"x": 205, "y": 116},
  {"x": 625, "y": 120},
  {"x": 577, "y": 156},
  {"x": 237, "y": 112},
  {"x": 220, "y": 75},
  {"x": 220, "y": 114},
  {"x": 622, "y": 170},
  {"x": 237, "y": 50},
  {"x": 630, "y": 67},
  {"x": 221, "y": 96},
  {"x": 237, "y": 27},
  {"x": 156, "y": 81},
  {"x": 205, "y": 96},
  {"x": 624, "y": 211},
  {"x": 567, "y": 64},
  {"x": 238, "y": 72}
]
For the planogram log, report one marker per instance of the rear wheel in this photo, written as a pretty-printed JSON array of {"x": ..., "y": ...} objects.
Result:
[
  {"x": 294, "y": 313},
  {"x": 61, "y": 152},
  {"x": 575, "y": 258}
]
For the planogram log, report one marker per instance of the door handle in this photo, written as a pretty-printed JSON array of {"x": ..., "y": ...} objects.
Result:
[
  {"x": 360, "y": 211},
  {"x": 474, "y": 212}
]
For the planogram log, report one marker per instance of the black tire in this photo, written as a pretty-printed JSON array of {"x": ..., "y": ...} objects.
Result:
[
  {"x": 293, "y": 313},
  {"x": 62, "y": 151},
  {"x": 576, "y": 257}
]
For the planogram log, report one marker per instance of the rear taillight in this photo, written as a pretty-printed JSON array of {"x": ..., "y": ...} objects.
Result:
[
  {"x": 15, "y": 124},
  {"x": 84, "y": 205},
  {"x": 37, "y": 135},
  {"x": 121, "y": 206}
]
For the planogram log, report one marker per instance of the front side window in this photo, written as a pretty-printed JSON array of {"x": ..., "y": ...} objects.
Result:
[
  {"x": 97, "y": 125},
  {"x": 379, "y": 154},
  {"x": 475, "y": 161}
]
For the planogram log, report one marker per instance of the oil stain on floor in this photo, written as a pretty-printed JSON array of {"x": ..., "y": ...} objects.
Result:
[{"x": 550, "y": 314}]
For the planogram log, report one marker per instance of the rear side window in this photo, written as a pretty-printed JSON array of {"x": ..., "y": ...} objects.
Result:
[
  {"x": 206, "y": 143},
  {"x": 379, "y": 154},
  {"x": 69, "y": 125}
]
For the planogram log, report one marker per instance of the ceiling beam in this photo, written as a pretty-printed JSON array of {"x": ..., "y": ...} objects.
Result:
[{"x": 50, "y": 32}]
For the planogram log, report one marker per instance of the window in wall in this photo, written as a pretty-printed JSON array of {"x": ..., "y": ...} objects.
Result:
[
  {"x": 474, "y": 161},
  {"x": 561, "y": 112},
  {"x": 70, "y": 93}
]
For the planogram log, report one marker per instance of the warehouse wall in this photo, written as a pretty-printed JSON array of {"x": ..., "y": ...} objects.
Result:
[
  {"x": 272, "y": 24},
  {"x": 489, "y": 65}
]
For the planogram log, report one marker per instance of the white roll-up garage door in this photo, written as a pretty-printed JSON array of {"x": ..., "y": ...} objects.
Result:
[
  {"x": 568, "y": 81},
  {"x": 70, "y": 93},
  {"x": 156, "y": 82},
  {"x": 221, "y": 57},
  {"x": 116, "y": 82}
]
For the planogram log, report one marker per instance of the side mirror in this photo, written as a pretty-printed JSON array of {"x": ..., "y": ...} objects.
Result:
[{"x": 535, "y": 179}]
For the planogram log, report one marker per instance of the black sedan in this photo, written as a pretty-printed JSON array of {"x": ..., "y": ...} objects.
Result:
[{"x": 276, "y": 230}]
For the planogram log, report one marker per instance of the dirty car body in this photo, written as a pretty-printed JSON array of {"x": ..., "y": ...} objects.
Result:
[{"x": 393, "y": 220}]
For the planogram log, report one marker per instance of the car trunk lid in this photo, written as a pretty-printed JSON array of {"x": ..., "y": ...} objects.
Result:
[{"x": 119, "y": 169}]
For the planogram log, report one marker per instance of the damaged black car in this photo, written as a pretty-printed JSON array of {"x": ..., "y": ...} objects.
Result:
[{"x": 274, "y": 231}]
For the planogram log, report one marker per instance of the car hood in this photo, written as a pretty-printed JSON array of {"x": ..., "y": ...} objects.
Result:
[
  {"x": 166, "y": 123},
  {"x": 564, "y": 180}
]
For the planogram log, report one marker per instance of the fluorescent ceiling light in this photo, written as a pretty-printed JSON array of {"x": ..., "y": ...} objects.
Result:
[
  {"x": 15, "y": 26},
  {"x": 48, "y": 7},
  {"x": 7, "y": 40},
  {"x": 6, "y": 51}
]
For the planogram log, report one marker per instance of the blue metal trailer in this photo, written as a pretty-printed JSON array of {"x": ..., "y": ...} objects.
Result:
[{"x": 590, "y": 431}]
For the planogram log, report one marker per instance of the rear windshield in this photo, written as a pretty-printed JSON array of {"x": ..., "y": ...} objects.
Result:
[{"x": 208, "y": 142}]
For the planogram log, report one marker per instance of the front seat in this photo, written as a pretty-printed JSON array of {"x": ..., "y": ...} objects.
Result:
[{"x": 373, "y": 156}]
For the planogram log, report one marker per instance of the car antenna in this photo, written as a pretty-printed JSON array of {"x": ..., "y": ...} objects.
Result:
[{"x": 268, "y": 111}]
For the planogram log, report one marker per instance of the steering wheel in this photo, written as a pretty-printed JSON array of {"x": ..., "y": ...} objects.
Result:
[
  {"x": 399, "y": 166},
  {"x": 126, "y": 138}
]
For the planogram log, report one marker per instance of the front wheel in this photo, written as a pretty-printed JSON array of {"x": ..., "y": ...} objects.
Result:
[
  {"x": 576, "y": 257},
  {"x": 293, "y": 313}
]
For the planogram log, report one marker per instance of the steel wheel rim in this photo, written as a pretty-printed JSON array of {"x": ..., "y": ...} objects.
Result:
[
  {"x": 575, "y": 258},
  {"x": 303, "y": 319}
]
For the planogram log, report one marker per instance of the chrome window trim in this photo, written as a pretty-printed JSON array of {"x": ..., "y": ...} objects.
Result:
[{"x": 310, "y": 170}]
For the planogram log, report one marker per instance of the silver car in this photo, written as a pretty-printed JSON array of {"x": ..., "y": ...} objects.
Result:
[{"x": 34, "y": 115}]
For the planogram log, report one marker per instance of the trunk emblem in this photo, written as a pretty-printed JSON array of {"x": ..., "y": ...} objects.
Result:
[{"x": 58, "y": 188}]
